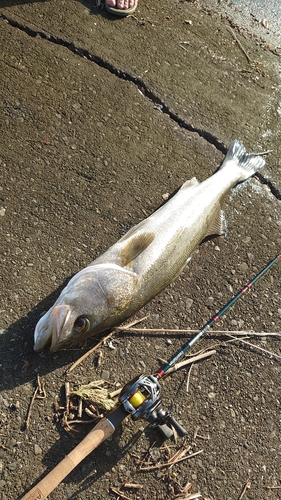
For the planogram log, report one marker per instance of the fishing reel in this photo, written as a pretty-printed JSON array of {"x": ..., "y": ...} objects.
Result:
[{"x": 141, "y": 399}]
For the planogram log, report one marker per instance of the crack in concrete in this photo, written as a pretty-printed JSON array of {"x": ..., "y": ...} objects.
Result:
[
  {"x": 123, "y": 75},
  {"x": 142, "y": 87},
  {"x": 264, "y": 180}
]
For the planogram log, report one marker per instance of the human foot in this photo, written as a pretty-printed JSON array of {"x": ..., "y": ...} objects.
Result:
[{"x": 121, "y": 7}]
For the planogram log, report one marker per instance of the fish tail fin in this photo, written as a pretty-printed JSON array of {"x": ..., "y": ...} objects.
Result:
[{"x": 248, "y": 163}]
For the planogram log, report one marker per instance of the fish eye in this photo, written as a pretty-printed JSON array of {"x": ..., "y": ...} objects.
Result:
[{"x": 81, "y": 324}]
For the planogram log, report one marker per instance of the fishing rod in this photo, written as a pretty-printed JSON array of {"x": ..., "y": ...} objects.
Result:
[
  {"x": 215, "y": 318},
  {"x": 139, "y": 398}
]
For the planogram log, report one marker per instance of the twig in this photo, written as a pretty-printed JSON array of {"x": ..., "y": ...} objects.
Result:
[
  {"x": 256, "y": 347},
  {"x": 70, "y": 422},
  {"x": 182, "y": 450},
  {"x": 187, "y": 487},
  {"x": 213, "y": 334},
  {"x": 159, "y": 466},
  {"x": 272, "y": 487},
  {"x": 90, "y": 413},
  {"x": 246, "y": 487},
  {"x": 131, "y": 324},
  {"x": 115, "y": 393},
  {"x": 80, "y": 408},
  {"x": 240, "y": 45},
  {"x": 93, "y": 409},
  {"x": 67, "y": 398},
  {"x": 147, "y": 454},
  {"x": 30, "y": 408},
  {"x": 189, "y": 361},
  {"x": 39, "y": 389},
  {"x": 41, "y": 393},
  {"x": 79, "y": 360},
  {"x": 119, "y": 493},
  {"x": 184, "y": 495},
  {"x": 178, "y": 456},
  {"x": 255, "y": 334},
  {"x": 188, "y": 377},
  {"x": 264, "y": 152}
]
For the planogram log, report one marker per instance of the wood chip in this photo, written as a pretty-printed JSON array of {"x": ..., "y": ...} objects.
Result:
[{"x": 133, "y": 486}]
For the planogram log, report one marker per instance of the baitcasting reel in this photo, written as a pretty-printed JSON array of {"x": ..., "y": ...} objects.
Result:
[{"x": 141, "y": 399}]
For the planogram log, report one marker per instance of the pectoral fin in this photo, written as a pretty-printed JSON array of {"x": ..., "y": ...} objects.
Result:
[{"x": 134, "y": 246}]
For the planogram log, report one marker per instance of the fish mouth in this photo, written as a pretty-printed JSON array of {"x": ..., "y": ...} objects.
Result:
[
  {"x": 42, "y": 333},
  {"x": 60, "y": 317},
  {"x": 49, "y": 328}
]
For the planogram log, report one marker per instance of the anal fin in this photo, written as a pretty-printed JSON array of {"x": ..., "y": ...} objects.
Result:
[{"x": 218, "y": 225}]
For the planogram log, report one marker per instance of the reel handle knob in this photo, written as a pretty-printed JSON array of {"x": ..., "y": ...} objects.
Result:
[
  {"x": 178, "y": 427},
  {"x": 165, "y": 430}
]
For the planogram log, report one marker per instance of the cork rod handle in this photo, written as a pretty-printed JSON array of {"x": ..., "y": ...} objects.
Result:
[{"x": 96, "y": 436}]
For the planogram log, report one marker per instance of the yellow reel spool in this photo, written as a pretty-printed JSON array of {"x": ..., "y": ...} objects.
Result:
[{"x": 137, "y": 399}]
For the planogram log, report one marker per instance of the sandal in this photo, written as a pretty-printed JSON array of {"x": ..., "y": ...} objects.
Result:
[{"x": 120, "y": 12}]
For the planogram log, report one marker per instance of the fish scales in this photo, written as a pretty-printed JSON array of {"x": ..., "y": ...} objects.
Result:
[{"x": 145, "y": 260}]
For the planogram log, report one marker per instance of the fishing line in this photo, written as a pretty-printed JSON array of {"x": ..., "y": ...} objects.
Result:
[{"x": 170, "y": 407}]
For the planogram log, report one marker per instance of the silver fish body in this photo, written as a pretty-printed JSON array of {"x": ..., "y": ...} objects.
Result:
[{"x": 145, "y": 260}]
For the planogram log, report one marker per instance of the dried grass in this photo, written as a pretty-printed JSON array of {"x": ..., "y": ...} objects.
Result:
[{"x": 96, "y": 394}]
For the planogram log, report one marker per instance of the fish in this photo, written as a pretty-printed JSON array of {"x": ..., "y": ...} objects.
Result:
[{"x": 145, "y": 260}]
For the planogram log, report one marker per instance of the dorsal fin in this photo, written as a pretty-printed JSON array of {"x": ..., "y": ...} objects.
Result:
[
  {"x": 190, "y": 183},
  {"x": 134, "y": 246}
]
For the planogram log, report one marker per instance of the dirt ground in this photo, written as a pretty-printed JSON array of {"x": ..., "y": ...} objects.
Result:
[{"x": 101, "y": 117}]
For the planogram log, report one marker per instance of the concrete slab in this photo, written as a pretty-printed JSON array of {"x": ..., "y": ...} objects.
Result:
[
  {"x": 97, "y": 125},
  {"x": 176, "y": 50}
]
